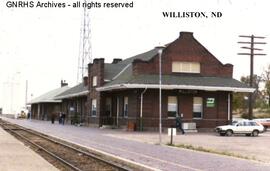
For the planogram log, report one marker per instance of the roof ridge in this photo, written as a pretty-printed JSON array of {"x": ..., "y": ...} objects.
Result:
[{"x": 123, "y": 70}]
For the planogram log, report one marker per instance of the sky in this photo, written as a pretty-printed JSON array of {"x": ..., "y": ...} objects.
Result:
[{"x": 42, "y": 45}]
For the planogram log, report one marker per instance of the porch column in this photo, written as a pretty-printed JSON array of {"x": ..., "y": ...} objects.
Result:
[
  {"x": 229, "y": 106},
  {"x": 117, "y": 110},
  {"x": 38, "y": 112}
]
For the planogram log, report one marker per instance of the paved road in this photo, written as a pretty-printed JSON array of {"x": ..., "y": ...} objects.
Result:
[
  {"x": 154, "y": 156},
  {"x": 252, "y": 147}
]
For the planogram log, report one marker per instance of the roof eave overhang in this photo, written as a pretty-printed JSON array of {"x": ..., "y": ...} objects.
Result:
[
  {"x": 45, "y": 101},
  {"x": 171, "y": 87},
  {"x": 83, "y": 93}
]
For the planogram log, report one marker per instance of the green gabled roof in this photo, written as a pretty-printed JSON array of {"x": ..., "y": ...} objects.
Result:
[
  {"x": 178, "y": 80},
  {"x": 120, "y": 75},
  {"x": 49, "y": 97},
  {"x": 126, "y": 79},
  {"x": 78, "y": 90},
  {"x": 146, "y": 56},
  {"x": 112, "y": 70}
]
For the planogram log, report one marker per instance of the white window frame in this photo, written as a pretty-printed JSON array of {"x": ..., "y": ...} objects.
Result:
[
  {"x": 186, "y": 67},
  {"x": 94, "y": 81},
  {"x": 201, "y": 98},
  {"x": 125, "y": 106},
  {"x": 175, "y": 106},
  {"x": 94, "y": 108}
]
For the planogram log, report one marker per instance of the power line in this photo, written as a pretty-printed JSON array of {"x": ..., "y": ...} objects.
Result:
[{"x": 251, "y": 54}]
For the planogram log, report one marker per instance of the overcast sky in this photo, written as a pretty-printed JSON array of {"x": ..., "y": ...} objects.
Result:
[{"x": 41, "y": 45}]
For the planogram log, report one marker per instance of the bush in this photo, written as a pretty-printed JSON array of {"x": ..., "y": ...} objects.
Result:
[
  {"x": 244, "y": 116},
  {"x": 75, "y": 118}
]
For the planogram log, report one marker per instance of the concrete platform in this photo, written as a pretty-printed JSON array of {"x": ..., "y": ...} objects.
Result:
[
  {"x": 14, "y": 155},
  {"x": 141, "y": 148}
]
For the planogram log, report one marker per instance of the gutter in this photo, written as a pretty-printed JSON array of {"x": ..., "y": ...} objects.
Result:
[
  {"x": 45, "y": 101},
  {"x": 171, "y": 87}
]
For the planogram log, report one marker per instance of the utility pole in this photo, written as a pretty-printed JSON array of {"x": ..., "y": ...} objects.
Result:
[
  {"x": 251, "y": 54},
  {"x": 160, "y": 51}
]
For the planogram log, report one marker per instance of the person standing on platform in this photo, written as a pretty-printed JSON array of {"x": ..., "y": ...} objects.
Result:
[
  {"x": 60, "y": 117},
  {"x": 179, "y": 123},
  {"x": 63, "y": 118},
  {"x": 53, "y": 118}
]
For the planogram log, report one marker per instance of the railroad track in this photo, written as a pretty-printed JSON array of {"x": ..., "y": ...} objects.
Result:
[{"x": 63, "y": 155}]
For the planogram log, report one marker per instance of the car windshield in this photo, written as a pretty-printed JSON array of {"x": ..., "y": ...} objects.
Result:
[{"x": 234, "y": 123}]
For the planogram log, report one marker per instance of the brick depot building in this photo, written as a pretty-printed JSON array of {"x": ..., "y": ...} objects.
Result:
[
  {"x": 73, "y": 102},
  {"x": 44, "y": 106},
  {"x": 194, "y": 83}
]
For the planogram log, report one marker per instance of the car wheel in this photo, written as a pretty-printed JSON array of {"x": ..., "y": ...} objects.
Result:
[
  {"x": 222, "y": 134},
  {"x": 255, "y": 133},
  {"x": 265, "y": 128},
  {"x": 229, "y": 132}
]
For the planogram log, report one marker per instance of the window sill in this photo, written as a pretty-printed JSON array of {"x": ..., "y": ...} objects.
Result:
[
  {"x": 171, "y": 117},
  {"x": 197, "y": 118}
]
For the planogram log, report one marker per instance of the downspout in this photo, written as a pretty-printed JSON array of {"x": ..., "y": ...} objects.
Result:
[
  {"x": 229, "y": 107},
  {"x": 141, "y": 124},
  {"x": 117, "y": 110}
]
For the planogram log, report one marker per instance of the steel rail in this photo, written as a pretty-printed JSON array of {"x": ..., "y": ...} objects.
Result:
[
  {"x": 118, "y": 166},
  {"x": 43, "y": 149},
  {"x": 80, "y": 151}
]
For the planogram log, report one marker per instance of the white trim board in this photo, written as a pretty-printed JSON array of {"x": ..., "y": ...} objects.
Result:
[{"x": 172, "y": 87}]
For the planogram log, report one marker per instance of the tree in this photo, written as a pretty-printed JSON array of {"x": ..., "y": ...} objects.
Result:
[
  {"x": 256, "y": 84},
  {"x": 266, "y": 79},
  {"x": 239, "y": 99}
]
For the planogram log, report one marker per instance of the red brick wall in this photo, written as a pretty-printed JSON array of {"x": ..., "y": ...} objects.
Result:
[
  {"x": 186, "y": 106},
  {"x": 211, "y": 116},
  {"x": 46, "y": 110},
  {"x": 185, "y": 49},
  {"x": 95, "y": 69},
  {"x": 75, "y": 102}
]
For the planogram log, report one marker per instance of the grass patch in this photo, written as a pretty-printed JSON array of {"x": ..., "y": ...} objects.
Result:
[
  {"x": 202, "y": 149},
  {"x": 262, "y": 115}
]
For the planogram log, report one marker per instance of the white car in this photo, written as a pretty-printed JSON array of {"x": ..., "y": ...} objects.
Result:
[{"x": 247, "y": 127}]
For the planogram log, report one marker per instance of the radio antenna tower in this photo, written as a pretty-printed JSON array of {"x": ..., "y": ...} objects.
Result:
[{"x": 85, "y": 52}]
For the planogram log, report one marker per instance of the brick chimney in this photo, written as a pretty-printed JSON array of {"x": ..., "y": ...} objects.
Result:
[
  {"x": 116, "y": 60},
  {"x": 98, "y": 61},
  {"x": 85, "y": 81},
  {"x": 63, "y": 83},
  {"x": 97, "y": 69},
  {"x": 185, "y": 34}
]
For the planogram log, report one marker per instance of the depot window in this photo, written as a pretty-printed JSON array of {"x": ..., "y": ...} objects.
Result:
[
  {"x": 94, "y": 107},
  {"x": 197, "y": 107},
  {"x": 172, "y": 106},
  {"x": 94, "y": 81},
  {"x": 125, "y": 106},
  {"x": 186, "y": 67}
]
